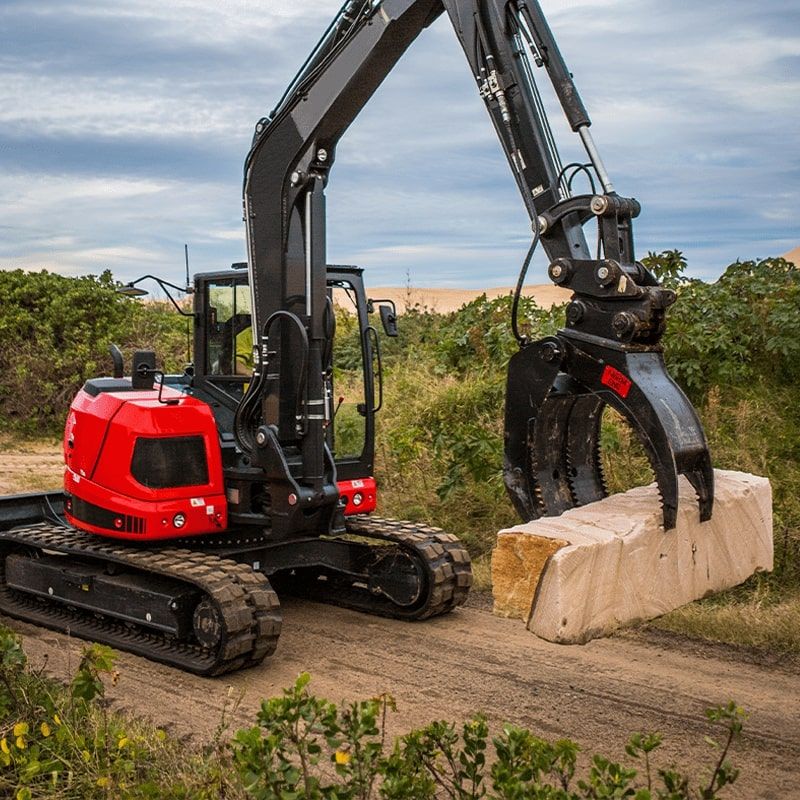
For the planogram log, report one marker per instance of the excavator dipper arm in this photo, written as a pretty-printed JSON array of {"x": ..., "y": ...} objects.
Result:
[{"x": 609, "y": 353}]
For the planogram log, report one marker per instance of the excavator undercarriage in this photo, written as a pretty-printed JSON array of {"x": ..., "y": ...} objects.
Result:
[{"x": 213, "y": 610}]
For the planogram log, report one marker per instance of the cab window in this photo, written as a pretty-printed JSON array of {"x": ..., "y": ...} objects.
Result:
[
  {"x": 229, "y": 331},
  {"x": 349, "y": 428}
]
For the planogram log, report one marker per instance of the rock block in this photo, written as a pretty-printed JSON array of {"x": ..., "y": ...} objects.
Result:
[{"x": 610, "y": 563}]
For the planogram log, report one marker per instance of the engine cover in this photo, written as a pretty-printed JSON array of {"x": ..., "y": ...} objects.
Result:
[{"x": 142, "y": 468}]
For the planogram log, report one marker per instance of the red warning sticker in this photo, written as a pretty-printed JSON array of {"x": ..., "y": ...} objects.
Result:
[{"x": 615, "y": 380}]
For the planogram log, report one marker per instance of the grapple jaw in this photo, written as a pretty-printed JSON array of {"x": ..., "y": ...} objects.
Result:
[
  {"x": 609, "y": 354},
  {"x": 557, "y": 390}
]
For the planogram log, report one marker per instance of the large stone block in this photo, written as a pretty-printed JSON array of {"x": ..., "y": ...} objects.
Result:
[{"x": 608, "y": 564}]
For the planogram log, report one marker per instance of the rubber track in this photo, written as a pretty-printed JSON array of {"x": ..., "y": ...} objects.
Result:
[
  {"x": 444, "y": 561},
  {"x": 247, "y": 604}
]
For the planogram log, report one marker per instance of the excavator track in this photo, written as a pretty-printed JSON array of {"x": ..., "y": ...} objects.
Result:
[
  {"x": 243, "y": 602},
  {"x": 441, "y": 564}
]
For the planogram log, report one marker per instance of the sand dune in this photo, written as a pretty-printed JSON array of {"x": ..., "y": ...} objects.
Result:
[{"x": 447, "y": 300}]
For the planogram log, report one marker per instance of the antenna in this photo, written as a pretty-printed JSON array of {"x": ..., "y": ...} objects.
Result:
[{"x": 188, "y": 326}]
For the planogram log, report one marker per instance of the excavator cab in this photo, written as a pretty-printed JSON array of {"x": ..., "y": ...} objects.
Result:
[
  {"x": 223, "y": 365},
  {"x": 132, "y": 446}
]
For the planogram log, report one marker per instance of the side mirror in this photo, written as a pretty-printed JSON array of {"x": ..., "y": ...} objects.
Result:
[
  {"x": 389, "y": 320},
  {"x": 388, "y": 315}
]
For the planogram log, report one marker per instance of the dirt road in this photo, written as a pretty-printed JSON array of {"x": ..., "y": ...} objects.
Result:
[
  {"x": 30, "y": 467},
  {"x": 470, "y": 661}
]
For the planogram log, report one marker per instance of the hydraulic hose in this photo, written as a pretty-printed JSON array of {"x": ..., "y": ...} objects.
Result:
[
  {"x": 521, "y": 339},
  {"x": 245, "y": 420}
]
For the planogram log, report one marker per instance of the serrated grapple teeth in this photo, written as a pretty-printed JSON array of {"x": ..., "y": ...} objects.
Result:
[
  {"x": 549, "y": 454},
  {"x": 583, "y": 450}
]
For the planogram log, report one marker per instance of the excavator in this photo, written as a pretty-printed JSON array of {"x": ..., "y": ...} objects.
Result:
[{"x": 188, "y": 499}]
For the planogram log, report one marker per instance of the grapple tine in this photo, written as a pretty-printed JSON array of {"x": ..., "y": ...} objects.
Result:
[
  {"x": 531, "y": 373},
  {"x": 552, "y": 434},
  {"x": 553, "y": 419},
  {"x": 702, "y": 480},
  {"x": 637, "y": 385},
  {"x": 583, "y": 449},
  {"x": 549, "y": 453}
]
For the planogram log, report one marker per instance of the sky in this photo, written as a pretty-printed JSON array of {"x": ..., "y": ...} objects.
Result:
[{"x": 124, "y": 128}]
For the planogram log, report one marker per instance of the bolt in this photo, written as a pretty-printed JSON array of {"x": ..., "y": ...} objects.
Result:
[
  {"x": 599, "y": 205},
  {"x": 624, "y": 324},
  {"x": 550, "y": 351},
  {"x": 296, "y": 178},
  {"x": 605, "y": 273},
  {"x": 575, "y": 312},
  {"x": 261, "y": 438},
  {"x": 322, "y": 154},
  {"x": 560, "y": 271}
]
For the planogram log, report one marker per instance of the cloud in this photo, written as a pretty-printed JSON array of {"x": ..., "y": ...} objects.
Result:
[{"x": 123, "y": 129}]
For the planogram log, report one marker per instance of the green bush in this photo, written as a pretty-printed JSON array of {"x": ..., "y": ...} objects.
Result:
[
  {"x": 742, "y": 328},
  {"x": 61, "y": 741},
  {"x": 479, "y": 334},
  {"x": 55, "y": 333},
  {"x": 304, "y": 747}
]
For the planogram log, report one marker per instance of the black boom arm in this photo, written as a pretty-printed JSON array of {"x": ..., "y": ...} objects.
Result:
[{"x": 557, "y": 389}]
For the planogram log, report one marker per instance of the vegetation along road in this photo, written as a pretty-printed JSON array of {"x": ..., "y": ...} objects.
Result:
[{"x": 597, "y": 693}]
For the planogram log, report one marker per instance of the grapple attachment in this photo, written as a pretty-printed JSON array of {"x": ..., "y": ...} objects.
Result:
[{"x": 558, "y": 388}]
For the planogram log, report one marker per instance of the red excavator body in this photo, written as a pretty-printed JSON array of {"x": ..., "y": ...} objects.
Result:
[{"x": 146, "y": 465}]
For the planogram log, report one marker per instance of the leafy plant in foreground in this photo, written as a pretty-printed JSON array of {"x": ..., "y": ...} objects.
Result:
[
  {"x": 306, "y": 748},
  {"x": 63, "y": 742}
]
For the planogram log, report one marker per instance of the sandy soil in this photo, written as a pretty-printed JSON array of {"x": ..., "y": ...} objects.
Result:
[
  {"x": 451, "y": 667},
  {"x": 29, "y": 467},
  {"x": 447, "y": 300}
]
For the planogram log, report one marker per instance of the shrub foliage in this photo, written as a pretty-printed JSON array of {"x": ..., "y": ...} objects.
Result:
[{"x": 55, "y": 332}]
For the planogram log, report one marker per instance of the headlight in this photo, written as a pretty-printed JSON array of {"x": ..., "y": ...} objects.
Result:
[
  {"x": 358, "y": 499},
  {"x": 179, "y": 520}
]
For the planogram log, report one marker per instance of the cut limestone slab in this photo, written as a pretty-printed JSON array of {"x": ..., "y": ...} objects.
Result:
[{"x": 610, "y": 563}]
